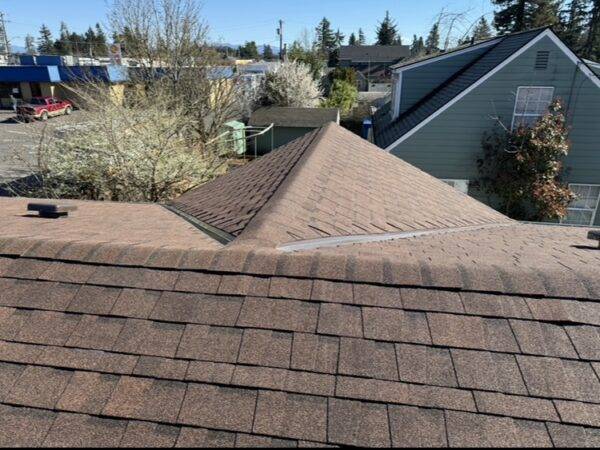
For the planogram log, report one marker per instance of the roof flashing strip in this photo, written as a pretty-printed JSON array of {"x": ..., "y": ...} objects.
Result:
[
  {"x": 218, "y": 235},
  {"x": 336, "y": 241}
]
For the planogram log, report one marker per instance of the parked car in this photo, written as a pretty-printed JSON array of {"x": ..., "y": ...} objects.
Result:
[{"x": 43, "y": 107}]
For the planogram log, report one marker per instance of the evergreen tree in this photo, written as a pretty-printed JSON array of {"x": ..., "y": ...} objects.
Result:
[
  {"x": 521, "y": 15},
  {"x": 45, "y": 41},
  {"x": 432, "y": 44},
  {"x": 573, "y": 21},
  {"x": 591, "y": 47},
  {"x": 482, "y": 30},
  {"x": 30, "y": 44},
  {"x": 339, "y": 38},
  {"x": 325, "y": 38},
  {"x": 100, "y": 44},
  {"x": 268, "y": 54},
  {"x": 62, "y": 45},
  {"x": 352, "y": 39},
  {"x": 249, "y": 50},
  {"x": 362, "y": 40},
  {"x": 545, "y": 14},
  {"x": 386, "y": 31},
  {"x": 418, "y": 47}
]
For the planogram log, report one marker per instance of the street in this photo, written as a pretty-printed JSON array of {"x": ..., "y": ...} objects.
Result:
[{"x": 18, "y": 142}]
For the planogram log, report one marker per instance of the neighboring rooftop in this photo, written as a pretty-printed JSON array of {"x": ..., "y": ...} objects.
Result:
[
  {"x": 387, "y": 131},
  {"x": 282, "y": 116},
  {"x": 453, "y": 334},
  {"x": 374, "y": 53}
]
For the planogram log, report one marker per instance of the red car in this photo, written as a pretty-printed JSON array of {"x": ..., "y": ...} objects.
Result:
[{"x": 43, "y": 107}]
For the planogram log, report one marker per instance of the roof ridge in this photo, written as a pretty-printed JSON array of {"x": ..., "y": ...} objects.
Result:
[
  {"x": 287, "y": 180},
  {"x": 441, "y": 85}
]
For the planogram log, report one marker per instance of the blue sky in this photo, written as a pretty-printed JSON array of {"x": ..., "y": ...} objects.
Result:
[{"x": 235, "y": 21}]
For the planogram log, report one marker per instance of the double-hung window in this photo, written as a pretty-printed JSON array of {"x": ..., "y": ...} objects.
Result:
[
  {"x": 583, "y": 210},
  {"x": 531, "y": 104}
]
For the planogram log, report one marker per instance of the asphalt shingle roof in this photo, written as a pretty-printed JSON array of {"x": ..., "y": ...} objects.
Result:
[
  {"x": 293, "y": 117},
  {"x": 388, "y": 131},
  {"x": 466, "y": 337},
  {"x": 374, "y": 53}
]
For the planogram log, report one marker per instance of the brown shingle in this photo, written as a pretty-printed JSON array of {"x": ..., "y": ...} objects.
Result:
[
  {"x": 73, "y": 358},
  {"x": 478, "y": 430},
  {"x": 515, "y": 406},
  {"x": 291, "y": 416},
  {"x": 471, "y": 332},
  {"x": 495, "y": 305},
  {"x": 586, "y": 340},
  {"x": 573, "y": 436},
  {"x": 315, "y": 353},
  {"x": 417, "y": 427},
  {"x": 357, "y": 423},
  {"x": 545, "y": 339},
  {"x": 426, "y": 365},
  {"x": 396, "y": 325},
  {"x": 341, "y": 320},
  {"x": 332, "y": 291},
  {"x": 45, "y": 327},
  {"x": 266, "y": 348},
  {"x": 290, "y": 288},
  {"x": 146, "y": 399},
  {"x": 367, "y": 358},
  {"x": 284, "y": 380},
  {"x": 404, "y": 393},
  {"x": 204, "y": 283},
  {"x": 134, "y": 278},
  {"x": 87, "y": 392},
  {"x": 208, "y": 343},
  {"x": 9, "y": 374},
  {"x": 98, "y": 333},
  {"x": 218, "y": 407},
  {"x": 370, "y": 295},
  {"x": 79, "y": 430},
  {"x": 39, "y": 386},
  {"x": 151, "y": 366},
  {"x": 19, "y": 353},
  {"x": 279, "y": 314},
  {"x": 201, "y": 438},
  {"x": 149, "y": 434},
  {"x": 210, "y": 372},
  {"x": 149, "y": 338},
  {"x": 197, "y": 308},
  {"x": 489, "y": 371},
  {"x": 431, "y": 300},
  {"x": 244, "y": 285},
  {"x": 94, "y": 300},
  {"x": 560, "y": 378},
  {"x": 135, "y": 303},
  {"x": 24, "y": 427},
  {"x": 252, "y": 441},
  {"x": 579, "y": 413}
]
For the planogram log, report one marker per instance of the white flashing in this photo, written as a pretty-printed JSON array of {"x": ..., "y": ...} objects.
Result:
[
  {"x": 547, "y": 33},
  {"x": 443, "y": 56},
  {"x": 336, "y": 241}
]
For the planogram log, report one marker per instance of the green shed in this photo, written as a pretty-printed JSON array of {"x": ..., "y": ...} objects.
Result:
[{"x": 288, "y": 124}]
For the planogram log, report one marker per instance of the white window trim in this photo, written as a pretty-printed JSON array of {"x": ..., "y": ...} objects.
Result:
[
  {"x": 548, "y": 33},
  {"x": 593, "y": 220},
  {"x": 397, "y": 95},
  {"x": 512, "y": 124}
]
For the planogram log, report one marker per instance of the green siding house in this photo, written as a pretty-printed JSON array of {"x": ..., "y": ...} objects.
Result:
[{"x": 442, "y": 106}]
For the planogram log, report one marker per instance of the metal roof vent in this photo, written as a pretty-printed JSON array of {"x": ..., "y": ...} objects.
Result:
[
  {"x": 541, "y": 60},
  {"x": 595, "y": 236},
  {"x": 51, "y": 210}
]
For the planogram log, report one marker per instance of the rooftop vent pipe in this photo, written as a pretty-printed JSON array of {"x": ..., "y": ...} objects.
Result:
[
  {"x": 595, "y": 236},
  {"x": 51, "y": 210}
]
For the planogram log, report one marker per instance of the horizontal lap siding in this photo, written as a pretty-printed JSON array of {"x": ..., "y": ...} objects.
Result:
[{"x": 449, "y": 145}]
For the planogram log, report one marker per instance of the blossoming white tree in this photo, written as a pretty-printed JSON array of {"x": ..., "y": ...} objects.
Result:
[{"x": 292, "y": 84}]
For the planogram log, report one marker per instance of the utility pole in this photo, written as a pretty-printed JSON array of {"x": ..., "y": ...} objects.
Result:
[
  {"x": 280, "y": 34},
  {"x": 4, "y": 44}
]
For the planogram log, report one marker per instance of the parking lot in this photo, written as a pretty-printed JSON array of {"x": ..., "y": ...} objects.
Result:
[{"x": 18, "y": 142}]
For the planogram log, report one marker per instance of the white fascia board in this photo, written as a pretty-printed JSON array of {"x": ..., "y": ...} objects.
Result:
[
  {"x": 445, "y": 56},
  {"x": 547, "y": 33}
]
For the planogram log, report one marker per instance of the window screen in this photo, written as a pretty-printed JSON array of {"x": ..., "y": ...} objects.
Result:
[
  {"x": 583, "y": 209},
  {"x": 531, "y": 104}
]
